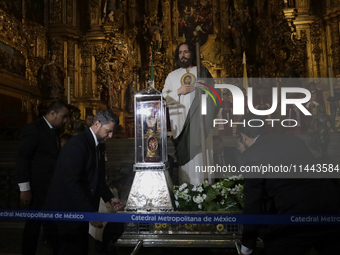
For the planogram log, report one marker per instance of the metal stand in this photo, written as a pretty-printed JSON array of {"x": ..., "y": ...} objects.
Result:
[{"x": 150, "y": 189}]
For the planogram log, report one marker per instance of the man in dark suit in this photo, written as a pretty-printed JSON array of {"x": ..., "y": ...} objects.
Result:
[
  {"x": 37, "y": 155},
  {"x": 286, "y": 196},
  {"x": 79, "y": 182}
]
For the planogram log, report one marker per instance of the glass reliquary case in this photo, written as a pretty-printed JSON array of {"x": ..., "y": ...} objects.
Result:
[
  {"x": 150, "y": 128},
  {"x": 150, "y": 188}
]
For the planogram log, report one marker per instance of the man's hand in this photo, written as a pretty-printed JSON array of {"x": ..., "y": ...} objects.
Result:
[
  {"x": 116, "y": 204},
  {"x": 185, "y": 89},
  {"x": 26, "y": 197},
  {"x": 96, "y": 224}
]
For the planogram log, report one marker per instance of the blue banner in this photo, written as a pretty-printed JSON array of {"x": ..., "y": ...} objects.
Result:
[{"x": 179, "y": 218}]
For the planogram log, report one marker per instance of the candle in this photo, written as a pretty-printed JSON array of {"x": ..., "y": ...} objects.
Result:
[
  {"x": 68, "y": 90},
  {"x": 330, "y": 81}
]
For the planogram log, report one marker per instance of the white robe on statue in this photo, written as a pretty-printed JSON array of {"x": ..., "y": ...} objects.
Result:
[{"x": 178, "y": 110}]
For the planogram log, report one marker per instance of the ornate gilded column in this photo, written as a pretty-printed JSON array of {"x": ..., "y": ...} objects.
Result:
[
  {"x": 71, "y": 66},
  {"x": 303, "y": 23},
  {"x": 174, "y": 23},
  {"x": 70, "y": 17},
  {"x": 334, "y": 27},
  {"x": 166, "y": 25},
  {"x": 85, "y": 51},
  {"x": 224, "y": 36},
  {"x": 332, "y": 20},
  {"x": 224, "y": 23},
  {"x": 328, "y": 42},
  {"x": 94, "y": 7},
  {"x": 303, "y": 7},
  {"x": 95, "y": 18},
  {"x": 122, "y": 97},
  {"x": 132, "y": 10},
  {"x": 56, "y": 47},
  {"x": 55, "y": 11},
  {"x": 316, "y": 46}
]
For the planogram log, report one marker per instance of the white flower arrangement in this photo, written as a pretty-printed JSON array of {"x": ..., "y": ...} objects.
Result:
[{"x": 226, "y": 195}]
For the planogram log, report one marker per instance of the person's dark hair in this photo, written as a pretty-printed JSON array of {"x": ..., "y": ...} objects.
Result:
[
  {"x": 66, "y": 136},
  {"x": 89, "y": 114},
  {"x": 106, "y": 117},
  {"x": 251, "y": 131},
  {"x": 192, "y": 57},
  {"x": 57, "y": 106},
  {"x": 217, "y": 138}
]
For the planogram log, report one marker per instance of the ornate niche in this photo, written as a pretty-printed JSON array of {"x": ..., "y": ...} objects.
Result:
[
  {"x": 14, "y": 46},
  {"x": 285, "y": 50},
  {"x": 51, "y": 76},
  {"x": 37, "y": 41},
  {"x": 283, "y": 54},
  {"x": 49, "y": 71},
  {"x": 239, "y": 35},
  {"x": 241, "y": 30},
  {"x": 195, "y": 20},
  {"x": 114, "y": 70},
  {"x": 12, "y": 61},
  {"x": 272, "y": 50},
  {"x": 155, "y": 28},
  {"x": 22, "y": 50},
  {"x": 112, "y": 13},
  {"x": 152, "y": 28}
]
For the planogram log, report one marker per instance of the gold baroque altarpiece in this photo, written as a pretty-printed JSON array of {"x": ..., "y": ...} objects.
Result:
[{"x": 104, "y": 46}]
